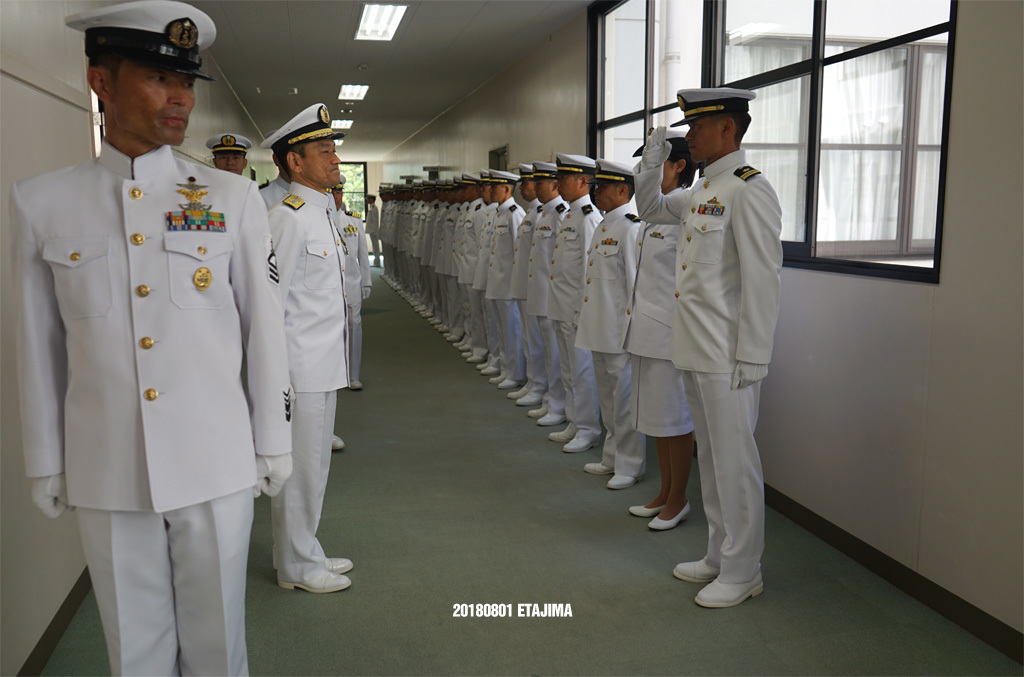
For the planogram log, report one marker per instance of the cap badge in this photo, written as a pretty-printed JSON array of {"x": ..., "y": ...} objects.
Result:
[
  {"x": 324, "y": 117},
  {"x": 182, "y": 33},
  {"x": 227, "y": 140}
]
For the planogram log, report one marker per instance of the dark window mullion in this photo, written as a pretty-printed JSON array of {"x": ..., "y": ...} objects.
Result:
[
  {"x": 814, "y": 128},
  {"x": 883, "y": 45}
]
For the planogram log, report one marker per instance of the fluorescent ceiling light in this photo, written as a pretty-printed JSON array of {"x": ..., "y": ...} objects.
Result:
[
  {"x": 341, "y": 124},
  {"x": 379, "y": 22},
  {"x": 353, "y": 92}
]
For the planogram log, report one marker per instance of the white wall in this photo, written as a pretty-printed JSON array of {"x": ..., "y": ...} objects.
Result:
[
  {"x": 894, "y": 409},
  {"x": 45, "y": 123},
  {"x": 537, "y": 106}
]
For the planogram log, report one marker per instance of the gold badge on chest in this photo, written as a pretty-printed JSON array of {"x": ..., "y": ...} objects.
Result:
[{"x": 202, "y": 278}]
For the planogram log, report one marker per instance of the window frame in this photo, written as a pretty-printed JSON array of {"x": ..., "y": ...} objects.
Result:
[{"x": 805, "y": 254}]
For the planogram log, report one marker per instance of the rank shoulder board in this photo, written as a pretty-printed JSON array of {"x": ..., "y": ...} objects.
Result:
[
  {"x": 294, "y": 201},
  {"x": 587, "y": 209},
  {"x": 478, "y": 206},
  {"x": 633, "y": 217},
  {"x": 746, "y": 172},
  {"x": 560, "y": 208},
  {"x": 513, "y": 208}
]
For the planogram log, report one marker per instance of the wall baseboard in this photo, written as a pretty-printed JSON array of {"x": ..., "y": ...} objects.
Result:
[
  {"x": 982, "y": 625},
  {"x": 44, "y": 648}
]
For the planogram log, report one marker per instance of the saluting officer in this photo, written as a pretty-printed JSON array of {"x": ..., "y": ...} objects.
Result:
[
  {"x": 610, "y": 274},
  {"x": 132, "y": 318},
  {"x": 311, "y": 261},
  {"x": 229, "y": 152},
  {"x": 727, "y": 281},
  {"x": 357, "y": 279}
]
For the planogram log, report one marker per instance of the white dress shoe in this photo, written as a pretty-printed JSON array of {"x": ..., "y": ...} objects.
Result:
[
  {"x": 436, "y": 321},
  {"x": 508, "y": 384},
  {"x": 466, "y": 354},
  {"x": 623, "y": 481},
  {"x": 475, "y": 359},
  {"x": 522, "y": 392},
  {"x": 562, "y": 436},
  {"x": 538, "y": 413},
  {"x": 598, "y": 469},
  {"x": 695, "y": 572},
  {"x": 337, "y": 443},
  {"x": 529, "y": 400},
  {"x": 718, "y": 595},
  {"x": 453, "y": 338},
  {"x": 443, "y": 328},
  {"x": 659, "y": 524},
  {"x": 495, "y": 380},
  {"x": 338, "y": 565},
  {"x": 578, "y": 444},
  {"x": 326, "y": 582},
  {"x": 483, "y": 365},
  {"x": 644, "y": 511},
  {"x": 553, "y": 419},
  {"x": 490, "y": 371},
  {"x": 355, "y": 385}
]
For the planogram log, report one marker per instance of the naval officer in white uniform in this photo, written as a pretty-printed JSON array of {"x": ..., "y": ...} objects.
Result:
[
  {"x": 311, "y": 260},
  {"x": 276, "y": 190},
  {"x": 132, "y": 318},
  {"x": 357, "y": 280},
  {"x": 507, "y": 217},
  {"x": 229, "y": 151},
  {"x": 727, "y": 277},
  {"x": 611, "y": 272}
]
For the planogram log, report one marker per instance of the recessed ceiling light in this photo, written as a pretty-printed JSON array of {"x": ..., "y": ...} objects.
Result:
[
  {"x": 353, "y": 92},
  {"x": 379, "y": 22},
  {"x": 277, "y": 90},
  {"x": 341, "y": 124},
  {"x": 338, "y": 142}
]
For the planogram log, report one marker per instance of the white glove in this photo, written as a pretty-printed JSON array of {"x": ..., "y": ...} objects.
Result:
[
  {"x": 656, "y": 150},
  {"x": 366, "y": 292},
  {"x": 50, "y": 494},
  {"x": 271, "y": 473},
  {"x": 747, "y": 374}
]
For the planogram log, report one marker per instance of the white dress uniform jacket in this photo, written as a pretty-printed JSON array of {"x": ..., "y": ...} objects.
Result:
[
  {"x": 311, "y": 260},
  {"x": 569, "y": 260},
  {"x": 716, "y": 321},
  {"x": 507, "y": 218},
  {"x": 275, "y": 191},
  {"x": 538, "y": 277},
  {"x": 466, "y": 234},
  {"x": 130, "y": 332},
  {"x": 373, "y": 221},
  {"x": 611, "y": 273},
  {"x": 357, "y": 258},
  {"x": 521, "y": 251}
]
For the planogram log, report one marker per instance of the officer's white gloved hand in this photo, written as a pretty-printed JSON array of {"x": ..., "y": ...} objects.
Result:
[
  {"x": 271, "y": 473},
  {"x": 748, "y": 373},
  {"x": 50, "y": 494},
  {"x": 656, "y": 150},
  {"x": 366, "y": 292}
]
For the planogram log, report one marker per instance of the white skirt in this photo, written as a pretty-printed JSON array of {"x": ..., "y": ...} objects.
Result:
[{"x": 658, "y": 398}]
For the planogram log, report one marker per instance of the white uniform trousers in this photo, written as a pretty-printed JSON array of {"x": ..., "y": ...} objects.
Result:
[
  {"x": 510, "y": 339},
  {"x": 493, "y": 345},
  {"x": 375, "y": 246},
  {"x": 478, "y": 320},
  {"x": 295, "y": 512},
  {"x": 171, "y": 586},
  {"x": 581, "y": 407},
  {"x": 623, "y": 445},
  {"x": 730, "y": 472},
  {"x": 533, "y": 350},
  {"x": 455, "y": 319},
  {"x": 467, "y": 323},
  {"x": 554, "y": 398},
  {"x": 355, "y": 337}
]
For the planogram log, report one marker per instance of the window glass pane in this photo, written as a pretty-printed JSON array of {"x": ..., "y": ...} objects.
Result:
[
  {"x": 624, "y": 63},
  {"x": 933, "y": 88},
  {"x": 355, "y": 186},
  {"x": 619, "y": 143},
  {"x": 874, "y": 20},
  {"x": 858, "y": 200},
  {"x": 678, "y": 37},
  {"x": 781, "y": 26},
  {"x": 862, "y": 99},
  {"x": 926, "y": 194},
  {"x": 776, "y": 144}
]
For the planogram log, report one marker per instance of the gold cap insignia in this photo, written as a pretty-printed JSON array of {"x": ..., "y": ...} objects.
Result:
[
  {"x": 202, "y": 278},
  {"x": 227, "y": 140},
  {"x": 182, "y": 33},
  {"x": 324, "y": 117}
]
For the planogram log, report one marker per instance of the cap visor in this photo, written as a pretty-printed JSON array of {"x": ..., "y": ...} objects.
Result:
[{"x": 134, "y": 57}]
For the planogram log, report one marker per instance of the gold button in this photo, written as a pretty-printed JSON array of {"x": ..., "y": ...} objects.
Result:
[
  {"x": 138, "y": 238},
  {"x": 591, "y": 263},
  {"x": 689, "y": 237},
  {"x": 146, "y": 342},
  {"x": 202, "y": 249},
  {"x": 703, "y": 227},
  {"x": 346, "y": 294},
  {"x": 693, "y": 210},
  {"x": 552, "y": 277},
  {"x": 628, "y": 312},
  {"x": 533, "y": 244},
  {"x": 588, "y": 280},
  {"x": 75, "y": 256},
  {"x": 603, "y": 229},
  {"x": 151, "y": 394},
  {"x": 517, "y": 248},
  {"x": 585, "y": 299},
  {"x": 531, "y": 259},
  {"x": 142, "y": 290},
  {"x": 705, "y": 184},
  {"x": 490, "y": 265},
  {"x": 531, "y": 274},
  {"x": 552, "y": 260},
  {"x": 492, "y": 251},
  {"x": 684, "y": 266},
  {"x": 325, "y": 252},
  {"x": 677, "y": 294},
  {"x": 135, "y": 193},
  {"x": 556, "y": 246}
]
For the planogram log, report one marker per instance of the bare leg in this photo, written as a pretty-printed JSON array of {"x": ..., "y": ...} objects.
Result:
[
  {"x": 661, "y": 445},
  {"x": 679, "y": 450}
]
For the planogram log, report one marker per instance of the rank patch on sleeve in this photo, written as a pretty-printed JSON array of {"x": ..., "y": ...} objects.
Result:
[
  {"x": 288, "y": 405},
  {"x": 272, "y": 273},
  {"x": 746, "y": 172},
  {"x": 196, "y": 219}
]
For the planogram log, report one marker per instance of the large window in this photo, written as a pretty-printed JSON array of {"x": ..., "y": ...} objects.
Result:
[
  {"x": 355, "y": 186},
  {"x": 848, "y": 124}
]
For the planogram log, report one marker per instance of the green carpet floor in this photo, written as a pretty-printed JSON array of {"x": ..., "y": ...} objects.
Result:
[{"x": 448, "y": 494}]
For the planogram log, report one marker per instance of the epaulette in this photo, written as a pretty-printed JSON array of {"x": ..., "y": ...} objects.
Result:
[
  {"x": 560, "y": 208},
  {"x": 540, "y": 208},
  {"x": 746, "y": 172},
  {"x": 633, "y": 217},
  {"x": 294, "y": 201},
  {"x": 513, "y": 208},
  {"x": 355, "y": 214},
  {"x": 478, "y": 207},
  {"x": 586, "y": 209}
]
